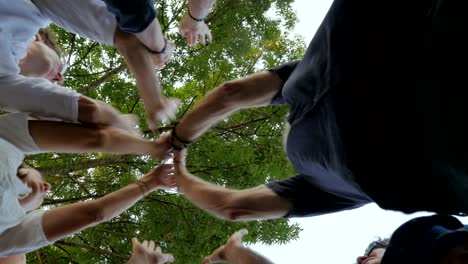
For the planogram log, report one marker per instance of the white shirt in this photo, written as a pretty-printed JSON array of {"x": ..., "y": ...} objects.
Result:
[
  {"x": 11, "y": 187},
  {"x": 20, "y": 232},
  {"x": 20, "y": 20},
  {"x": 25, "y": 237}
]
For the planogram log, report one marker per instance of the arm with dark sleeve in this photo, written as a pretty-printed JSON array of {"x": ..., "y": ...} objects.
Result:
[
  {"x": 283, "y": 71},
  {"x": 308, "y": 199}
]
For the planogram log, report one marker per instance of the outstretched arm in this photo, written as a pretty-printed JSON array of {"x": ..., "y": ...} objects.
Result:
[
  {"x": 79, "y": 138},
  {"x": 235, "y": 253},
  {"x": 250, "y": 204},
  {"x": 140, "y": 62},
  {"x": 254, "y": 90},
  {"x": 70, "y": 219}
]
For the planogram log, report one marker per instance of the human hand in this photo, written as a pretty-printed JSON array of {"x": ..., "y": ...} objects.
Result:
[
  {"x": 162, "y": 177},
  {"x": 219, "y": 255},
  {"x": 148, "y": 253},
  {"x": 128, "y": 122},
  {"x": 192, "y": 30},
  {"x": 162, "y": 111},
  {"x": 163, "y": 146},
  {"x": 159, "y": 60}
]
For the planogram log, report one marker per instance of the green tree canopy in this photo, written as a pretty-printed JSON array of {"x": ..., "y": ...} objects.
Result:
[{"x": 243, "y": 151}]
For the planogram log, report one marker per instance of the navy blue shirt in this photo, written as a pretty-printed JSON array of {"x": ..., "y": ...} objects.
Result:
[
  {"x": 376, "y": 111},
  {"x": 313, "y": 145},
  {"x": 425, "y": 240}
]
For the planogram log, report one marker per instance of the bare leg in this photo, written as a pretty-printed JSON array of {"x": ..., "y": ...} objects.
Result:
[{"x": 79, "y": 138}]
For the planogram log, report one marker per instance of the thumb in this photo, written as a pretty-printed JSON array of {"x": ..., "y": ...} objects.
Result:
[
  {"x": 135, "y": 244},
  {"x": 237, "y": 236}
]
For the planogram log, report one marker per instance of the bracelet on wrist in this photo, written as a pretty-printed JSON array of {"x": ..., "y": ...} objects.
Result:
[
  {"x": 178, "y": 143},
  {"x": 194, "y": 18},
  {"x": 163, "y": 50}
]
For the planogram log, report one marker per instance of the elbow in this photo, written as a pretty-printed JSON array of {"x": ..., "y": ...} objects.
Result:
[
  {"x": 232, "y": 215},
  {"x": 234, "y": 209},
  {"x": 235, "y": 214},
  {"x": 95, "y": 213},
  {"x": 230, "y": 93}
]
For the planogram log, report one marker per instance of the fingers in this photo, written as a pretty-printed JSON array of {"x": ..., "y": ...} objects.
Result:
[
  {"x": 151, "y": 245},
  {"x": 202, "y": 38},
  {"x": 215, "y": 256},
  {"x": 165, "y": 110},
  {"x": 167, "y": 258},
  {"x": 209, "y": 36},
  {"x": 145, "y": 243},
  {"x": 135, "y": 243},
  {"x": 237, "y": 236},
  {"x": 129, "y": 123},
  {"x": 191, "y": 38},
  {"x": 166, "y": 167}
]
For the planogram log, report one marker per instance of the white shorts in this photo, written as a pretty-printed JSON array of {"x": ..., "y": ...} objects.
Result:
[
  {"x": 25, "y": 237},
  {"x": 14, "y": 129}
]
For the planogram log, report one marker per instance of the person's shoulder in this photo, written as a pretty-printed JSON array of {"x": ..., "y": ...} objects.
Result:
[{"x": 9, "y": 152}]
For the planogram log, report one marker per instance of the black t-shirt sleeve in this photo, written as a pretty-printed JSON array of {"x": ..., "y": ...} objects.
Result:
[
  {"x": 308, "y": 199},
  {"x": 283, "y": 71}
]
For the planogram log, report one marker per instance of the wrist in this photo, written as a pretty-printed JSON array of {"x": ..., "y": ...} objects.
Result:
[
  {"x": 193, "y": 17},
  {"x": 145, "y": 186},
  {"x": 160, "y": 50},
  {"x": 177, "y": 142}
]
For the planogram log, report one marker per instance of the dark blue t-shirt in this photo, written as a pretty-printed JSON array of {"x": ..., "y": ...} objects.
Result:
[
  {"x": 375, "y": 110},
  {"x": 313, "y": 145},
  {"x": 425, "y": 240}
]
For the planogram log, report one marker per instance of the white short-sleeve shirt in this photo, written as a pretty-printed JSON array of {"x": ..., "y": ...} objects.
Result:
[
  {"x": 20, "y": 232},
  {"x": 20, "y": 21}
]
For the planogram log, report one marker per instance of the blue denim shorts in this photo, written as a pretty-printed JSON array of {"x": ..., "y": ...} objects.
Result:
[{"x": 132, "y": 16}]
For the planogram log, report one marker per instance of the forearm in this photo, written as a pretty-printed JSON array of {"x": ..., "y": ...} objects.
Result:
[
  {"x": 141, "y": 65},
  {"x": 252, "y": 91},
  {"x": 204, "y": 195},
  {"x": 200, "y": 8},
  {"x": 119, "y": 201},
  {"x": 67, "y": 220},
  {"x": 240, "y": 205},
  {"x": 244, "y": 255},
  {"x": 77, "y": 138}
]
